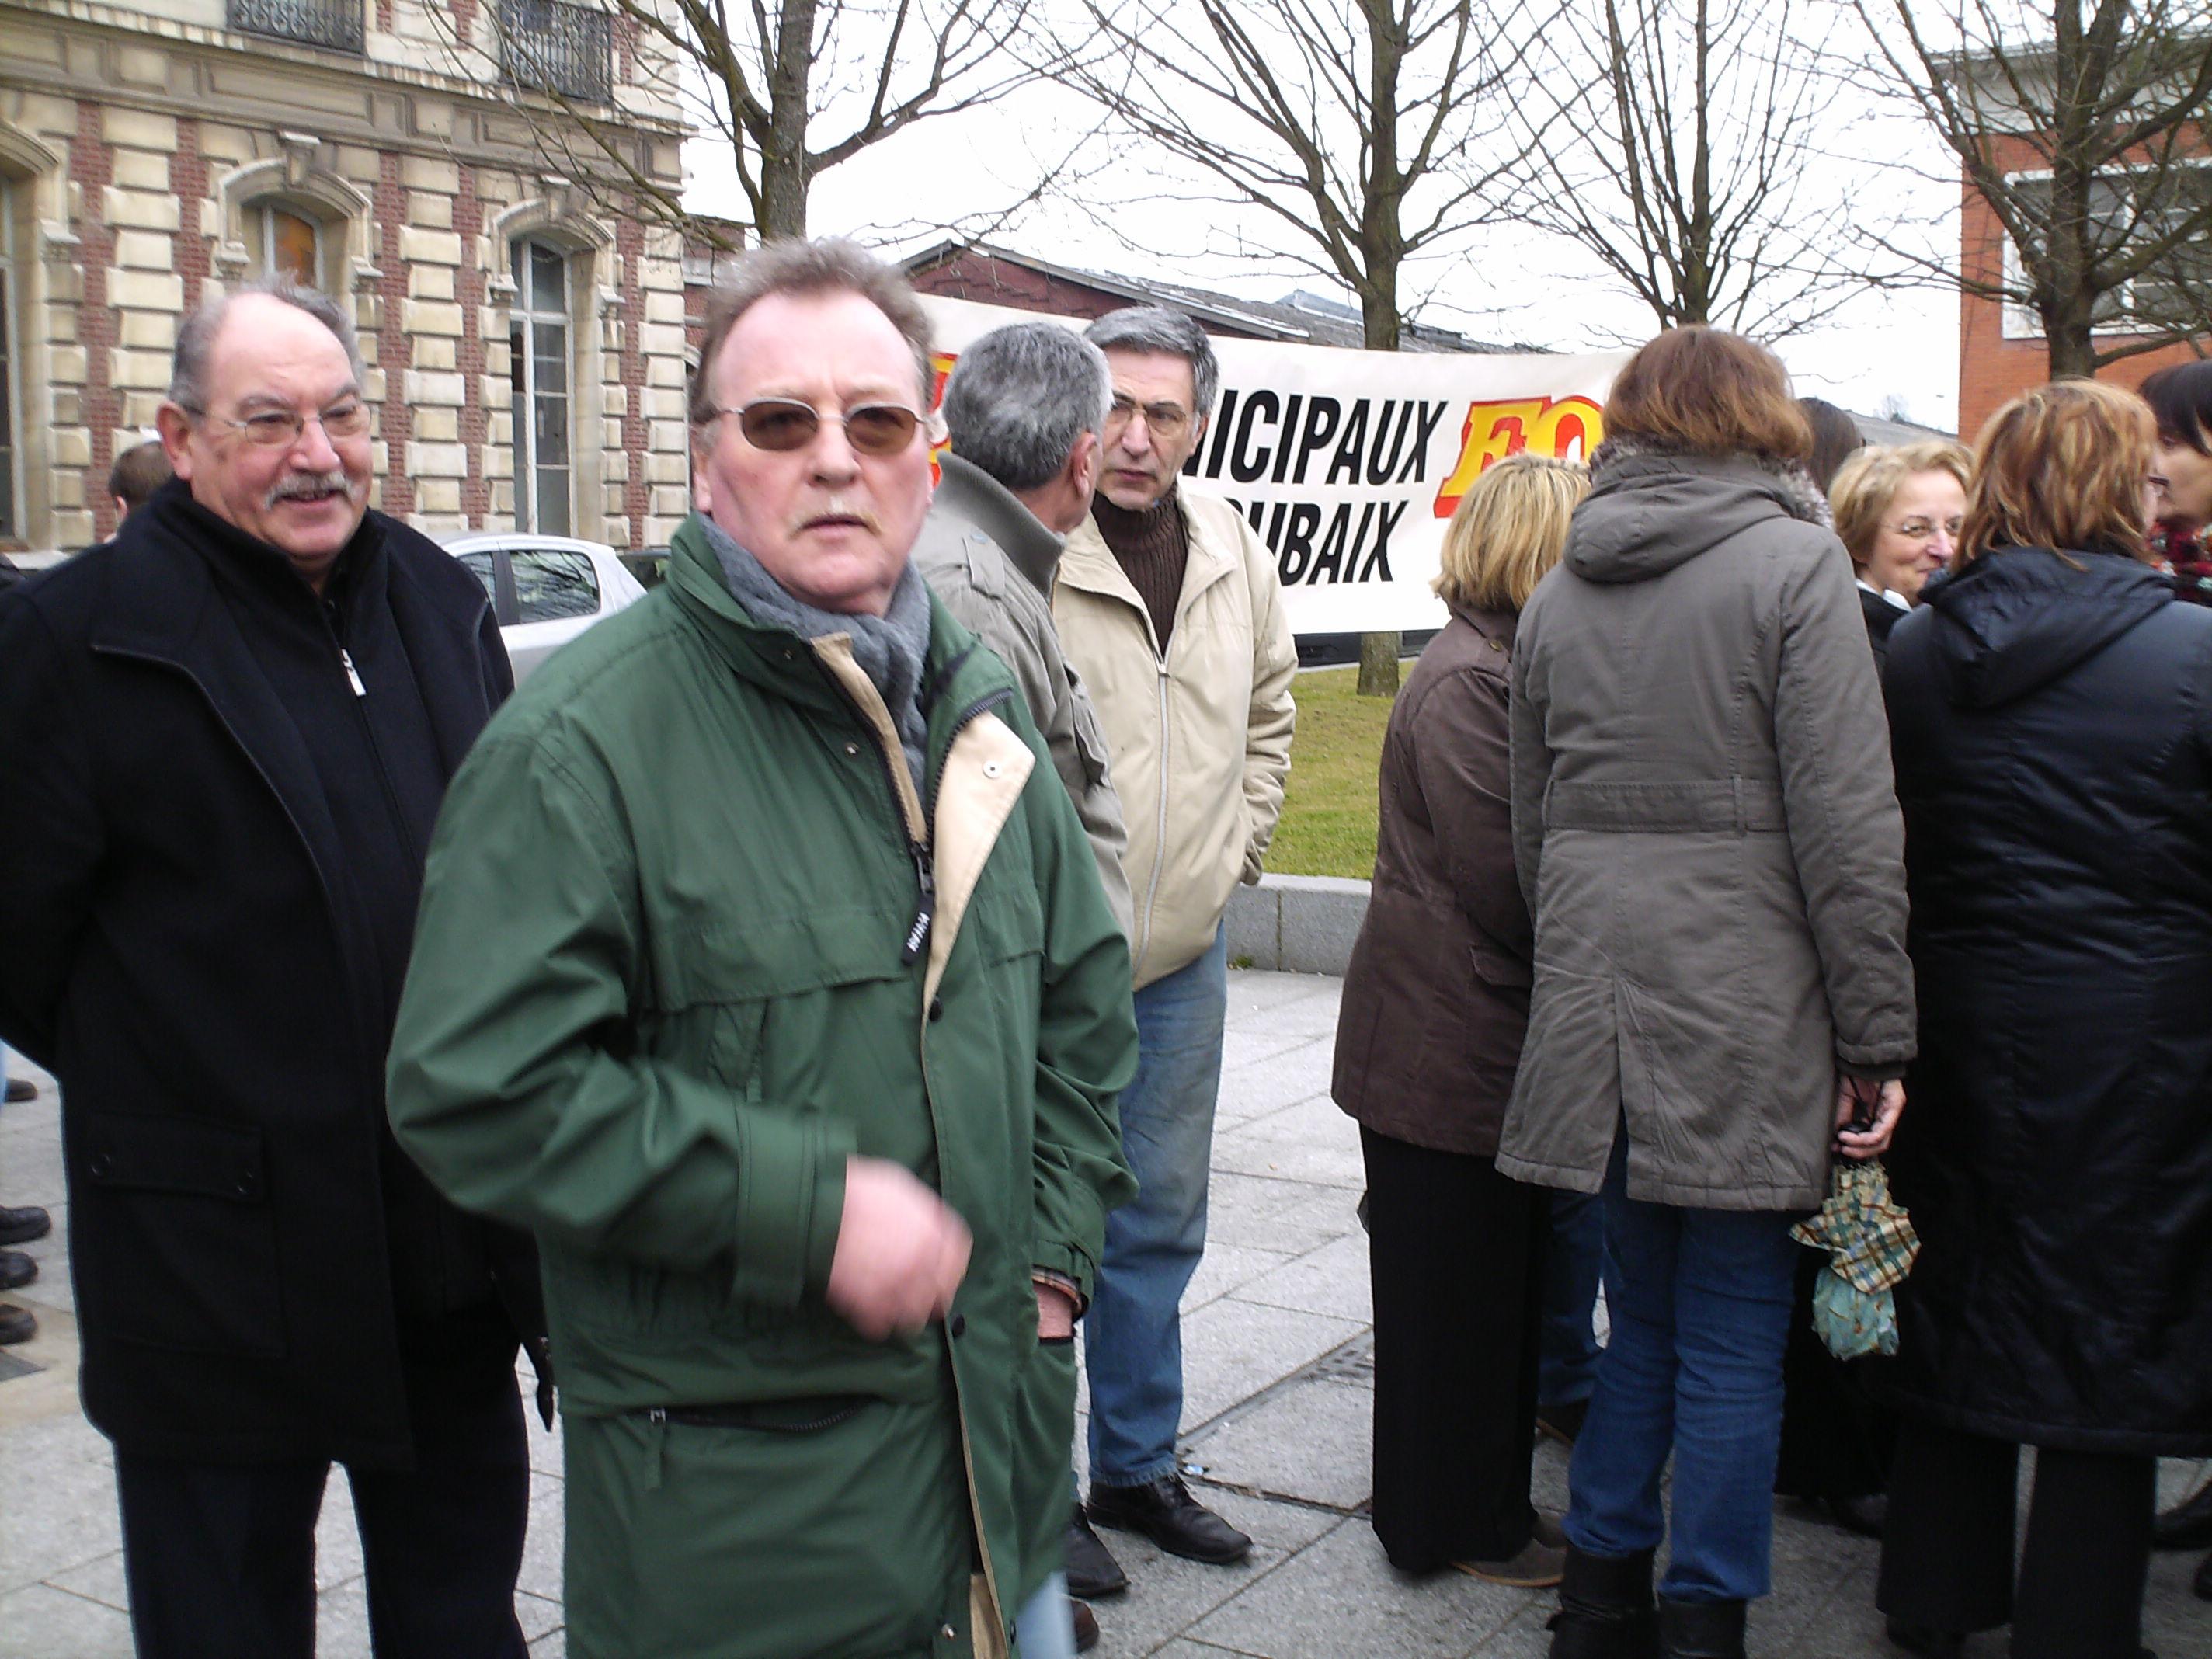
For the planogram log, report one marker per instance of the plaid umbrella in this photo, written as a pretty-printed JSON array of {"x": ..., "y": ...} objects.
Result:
[{"x": 1870, "y": 1244}]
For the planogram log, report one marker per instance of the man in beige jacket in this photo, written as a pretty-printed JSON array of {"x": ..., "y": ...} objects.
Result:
[{"x": 1169, "y": 606}]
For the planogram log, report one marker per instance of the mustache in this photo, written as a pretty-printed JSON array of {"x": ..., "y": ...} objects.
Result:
[
  {"x": 309, "y": 483},
  {"x": 838, "y": 507}
]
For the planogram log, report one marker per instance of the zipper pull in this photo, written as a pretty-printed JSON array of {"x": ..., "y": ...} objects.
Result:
[
  {"x": 918, "y": 935},
  {"x": 353, "y": 674}
]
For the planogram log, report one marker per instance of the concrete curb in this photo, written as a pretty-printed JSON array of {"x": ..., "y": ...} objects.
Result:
[{"x": 1296, "y": 924}]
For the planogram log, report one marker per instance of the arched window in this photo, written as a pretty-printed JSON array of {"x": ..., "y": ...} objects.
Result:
[
  {"x": 284, "y": 241},
  {"x": 538, "y": 340}
]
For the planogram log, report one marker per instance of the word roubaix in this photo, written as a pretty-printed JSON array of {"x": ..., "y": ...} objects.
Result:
[{"x": 1264, "y": 438}]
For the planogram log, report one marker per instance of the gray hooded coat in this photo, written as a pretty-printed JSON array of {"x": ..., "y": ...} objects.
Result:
[{"x": 1706, "y": 830}]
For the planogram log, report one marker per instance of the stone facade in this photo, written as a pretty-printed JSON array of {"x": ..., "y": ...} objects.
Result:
[{"x": 149, "y": 155}]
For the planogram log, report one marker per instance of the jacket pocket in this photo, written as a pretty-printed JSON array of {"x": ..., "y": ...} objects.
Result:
[
  {"x": 1495, "y": 967},
  {"x": 179, "y": 1244}
]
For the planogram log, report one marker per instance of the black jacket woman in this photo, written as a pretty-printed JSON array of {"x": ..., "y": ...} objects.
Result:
[
  {"x": 1436, "y": 998},
  {"x": 2051, "y": 715}
]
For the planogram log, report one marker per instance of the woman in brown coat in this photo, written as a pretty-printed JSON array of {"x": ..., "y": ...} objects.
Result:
[{"x": 1434, "y": 1000}]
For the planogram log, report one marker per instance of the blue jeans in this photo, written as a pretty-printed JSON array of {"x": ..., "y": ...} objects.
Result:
[
  {"x": 1044, "y": 1628},
  {"x": 1700, "y": 1315},
  {"x": 1567, "y": 1352},
  {"x": 1132, "y": 1333}
]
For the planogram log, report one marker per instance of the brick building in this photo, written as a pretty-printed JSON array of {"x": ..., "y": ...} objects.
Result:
[
  {"x": 995, "y": 275},
  {"x": 524, "y": 336}
]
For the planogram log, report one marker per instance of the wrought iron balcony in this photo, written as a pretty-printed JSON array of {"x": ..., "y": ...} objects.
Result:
[
  {"x": 552, "y": 45},
  {"x": 337, "y": 24}
]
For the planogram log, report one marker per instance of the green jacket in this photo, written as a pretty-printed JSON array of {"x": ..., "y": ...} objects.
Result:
[{"x": 665, "y": 982}]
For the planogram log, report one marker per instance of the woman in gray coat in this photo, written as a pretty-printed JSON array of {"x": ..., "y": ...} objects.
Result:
[{"x": 1706, "y": 830}]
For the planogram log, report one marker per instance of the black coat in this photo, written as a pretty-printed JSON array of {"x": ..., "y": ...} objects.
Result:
[
  {"x": 1881, "y": 617},
  {"x": 2052, "y": 728},
  {"x": 189, "y": 950}
]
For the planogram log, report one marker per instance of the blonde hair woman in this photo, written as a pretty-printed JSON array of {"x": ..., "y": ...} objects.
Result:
[
  {"x": 2048, "y": 712},
  {"x": 1898, "y": 513},
  {"x": 1434, "y": 1000}
]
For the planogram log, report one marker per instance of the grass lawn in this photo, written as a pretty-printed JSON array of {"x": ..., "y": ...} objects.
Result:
[{"x": 1328, "y": 810}]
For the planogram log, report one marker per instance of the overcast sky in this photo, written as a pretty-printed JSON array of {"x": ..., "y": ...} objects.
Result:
[{"x": 955, "y": 175}]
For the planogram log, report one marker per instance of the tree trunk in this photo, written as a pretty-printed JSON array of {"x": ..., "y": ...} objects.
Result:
[{"x": 1379, "y": 664}]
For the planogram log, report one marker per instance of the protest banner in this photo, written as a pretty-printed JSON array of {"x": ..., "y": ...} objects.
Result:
[{"x": 1349, "y": 463}]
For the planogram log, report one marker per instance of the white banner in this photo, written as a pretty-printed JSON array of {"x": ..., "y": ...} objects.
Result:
[{"x": 1348, "y": 463}]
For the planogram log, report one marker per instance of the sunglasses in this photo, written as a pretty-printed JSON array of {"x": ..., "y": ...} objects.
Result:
[{"x": 781, "y": 425}]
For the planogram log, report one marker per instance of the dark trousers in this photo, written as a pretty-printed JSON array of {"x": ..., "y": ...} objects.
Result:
[
  {"x": 220, "y": 1558},
  {"x": 1947, "y": 1559},
  {"x": 1836, "y": 1443},
  {"x": 1456, "y": 1254}
]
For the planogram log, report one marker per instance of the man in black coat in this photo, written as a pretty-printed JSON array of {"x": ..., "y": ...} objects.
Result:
[{"x": 226, "y": 735}]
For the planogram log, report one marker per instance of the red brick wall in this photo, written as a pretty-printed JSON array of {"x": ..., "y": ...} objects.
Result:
[
  {"x": 92, "y": 169},
  {"x": 395, "y": 351},
  {"x": 188, "y": 178},
  {"x": 1991, "y": 368},
  {"x": 469, "y": 288},
  {"x": 637, "y": 490}
]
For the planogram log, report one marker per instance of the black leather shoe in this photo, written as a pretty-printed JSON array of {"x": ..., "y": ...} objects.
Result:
[
  {"x": 1092, "y": 1571},
  {"x": 16, "y": 1270},
  {"x": 1166, "y": 1513},
  {"x": 1928, "y": 1644},
  {"x": 21, "y": 1089},
  {"x": 1863, "y": 1515},
  {"x": 15, "y": 1324},
  {"x": 22, "y": 1226},
  {"x": 1701, "y": 1630},
  {"x": 1086, "y": 1626},
  {"x": 2187, "y": 1525},
  {"x": 1605, "y": 1608}
]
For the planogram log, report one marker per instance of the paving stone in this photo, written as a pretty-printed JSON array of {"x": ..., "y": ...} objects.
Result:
[
  {"x": 1332, "y": 1279},
  {"x": 1312, "y": 1141},
  {"x": 1166, "y": 1595},
  {"x": 1232, "y": 1349},
  {"x": 1262, "y": 1086},
  {"x": 1311, "y": 1440},
  {"x": 1225, "y": 1268},
  {"x": 40, "y": 1622},
  {"x": 554, "y": 1644},
  {"x": 1275, "y": 1213},
  {"x": 57, "y": 1498},
  {"x": 1252, "y": 990},
  {"x": 1342, "y": 1597},
  {"x": 1311, "y": 1016}
]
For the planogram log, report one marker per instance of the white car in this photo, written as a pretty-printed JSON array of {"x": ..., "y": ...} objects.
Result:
[{"x": 545, "y": 590}]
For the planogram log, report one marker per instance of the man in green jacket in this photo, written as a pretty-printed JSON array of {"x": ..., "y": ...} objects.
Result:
[{"x": 764, "y": 973}]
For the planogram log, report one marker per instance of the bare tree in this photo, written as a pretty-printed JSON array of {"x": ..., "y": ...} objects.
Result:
[
  {"x": 1358, "y": 130},
  {"x": 788, "y": 91},
  {"x": 2081, "y": 124},
  {"x": 1691, "y": 151}
]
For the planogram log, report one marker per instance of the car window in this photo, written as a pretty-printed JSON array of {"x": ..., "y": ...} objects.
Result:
[
  {"x": 550, "y": 584},
  {"x": 479, "y": 564}
]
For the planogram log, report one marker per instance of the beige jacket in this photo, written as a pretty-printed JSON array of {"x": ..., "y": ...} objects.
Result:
[{"x": 1200, "y": 742}]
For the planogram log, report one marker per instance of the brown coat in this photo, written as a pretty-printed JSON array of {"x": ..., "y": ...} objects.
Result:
[{"x": 1436, "y": 996}]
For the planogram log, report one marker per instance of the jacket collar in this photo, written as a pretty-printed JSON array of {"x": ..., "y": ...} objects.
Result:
[
  {"x": 954, "y": 673},
  {"x": 1088, "y": 563},
  {"x": 161, "y": 603},
  {"x": 1497, "y": 626},
  {"x": 973, "y": 493}
]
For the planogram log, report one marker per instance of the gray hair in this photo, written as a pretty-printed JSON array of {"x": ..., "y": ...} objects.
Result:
[
  {"x": 1157, "y": 328},
  {"x": 196, "y": 335},
  {"x": 1020, "y": 397},
  {"x": 830, "y": 266}
]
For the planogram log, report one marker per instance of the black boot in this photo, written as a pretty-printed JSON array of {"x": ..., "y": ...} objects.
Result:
[
  {"x": 1605, "y": 1608},
  {"x": 2187, "y": 1525},
  {"x": 1701, "y": 1630}
]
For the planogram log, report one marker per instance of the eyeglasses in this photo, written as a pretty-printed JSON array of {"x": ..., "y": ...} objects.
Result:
[
  {"x": 1924, "y": 529},
  {"x": 1167, "y": 420},
  {"x": 280, "y": 428},
  {"x": 781, "y": 425}
]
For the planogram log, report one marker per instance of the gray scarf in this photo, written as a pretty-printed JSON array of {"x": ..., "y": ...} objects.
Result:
[{"x": 889, "y": 648}]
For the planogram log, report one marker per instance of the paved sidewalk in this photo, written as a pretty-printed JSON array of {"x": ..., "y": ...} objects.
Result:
[{"x": 1277, "y": 1353}]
